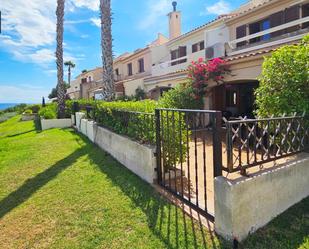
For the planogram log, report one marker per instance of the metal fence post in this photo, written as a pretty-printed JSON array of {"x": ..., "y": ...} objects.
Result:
[
  {"x": 229, "y": 146},
  {"x": 158, "y": 145},
  {"x": 75, "y": 108},
  {"x": 217, "y": 143}
]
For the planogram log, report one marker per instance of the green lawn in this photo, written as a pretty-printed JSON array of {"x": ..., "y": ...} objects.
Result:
[{"x": 57, "y": 190}]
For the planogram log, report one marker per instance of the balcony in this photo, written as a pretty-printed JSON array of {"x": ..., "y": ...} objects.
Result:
[
  {"x": 178, "y": 64},
  {"x": 118, "y": 77},
  {"x": 266, "y": 40}
]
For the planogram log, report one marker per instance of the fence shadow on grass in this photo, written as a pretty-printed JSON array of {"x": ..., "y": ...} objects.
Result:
[
  {"x": 25, "y": 191},
  {"x": 167, "y": 222},
  {"x": 288, "y": 230}
]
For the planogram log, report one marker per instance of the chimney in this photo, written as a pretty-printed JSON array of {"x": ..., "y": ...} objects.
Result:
[{"x": 174, "y": 19}]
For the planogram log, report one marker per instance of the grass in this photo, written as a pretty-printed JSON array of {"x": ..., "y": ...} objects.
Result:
[
  {"x": 57, "y": 190},
  {"x": 7, "y": 115}
]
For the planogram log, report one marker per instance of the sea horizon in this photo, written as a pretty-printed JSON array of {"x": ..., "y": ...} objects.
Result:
[{"x": 4, "y": 106}]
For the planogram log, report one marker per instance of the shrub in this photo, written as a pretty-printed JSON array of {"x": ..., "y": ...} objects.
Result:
[
  {"x": 49, "y": 111},
  {"x": 28, "y": 111},
  {"x": 181, "y": 97},
  {"x": 284, "y": 82},
  {"x": 140, "y": 94},
  {"x": 35, "y": 108}
]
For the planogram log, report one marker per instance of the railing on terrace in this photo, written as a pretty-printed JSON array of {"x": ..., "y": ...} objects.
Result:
[
  {"x": 139, "y": 126},
  {"x": 252, "y": 142},
  {"x": 249, "y": 142},
  {"x": 270, "y": 42}
]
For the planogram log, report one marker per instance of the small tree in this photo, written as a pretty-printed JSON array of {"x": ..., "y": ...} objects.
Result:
[
  {"x": 43, "y": 102},
  {"x": 201, "y": 72},
  {"x": 284, "y": 82}
]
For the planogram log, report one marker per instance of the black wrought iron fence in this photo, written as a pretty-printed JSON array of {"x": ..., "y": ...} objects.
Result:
[{"x": 252, "y": 142}]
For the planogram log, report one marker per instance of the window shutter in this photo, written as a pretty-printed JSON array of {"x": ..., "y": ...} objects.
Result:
[
  {"x": 194, "y": 48},
  {"x": 305, "y": 13},
  {"x": 202, "y": 45},
  {"x": 174, "y": 55},
  {"x": 254, "y": 28},
  {"x": 240, "y": 33},
  {"x": 291, "y": 14},
  {"x": 210, "y": 53},
  {"x": 182, "y": 51},
  {"x": 276, "y": 19}
]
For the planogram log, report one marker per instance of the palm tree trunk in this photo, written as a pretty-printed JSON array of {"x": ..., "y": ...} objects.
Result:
[
  {"x": 59, "y": 59},
  {"x": 107, "y": 53},
  {"x": 69, "y": 75}
]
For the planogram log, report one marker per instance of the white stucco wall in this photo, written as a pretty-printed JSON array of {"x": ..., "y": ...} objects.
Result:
[
  {"x": 136, "y": 157},
  {"x": 55, "y": 123},
  {"x": 242, "y": 206},
  {"x": 79, "y": 117}
]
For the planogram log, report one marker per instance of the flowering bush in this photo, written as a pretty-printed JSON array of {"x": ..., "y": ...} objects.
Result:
[{"x": 201, "y": 72}]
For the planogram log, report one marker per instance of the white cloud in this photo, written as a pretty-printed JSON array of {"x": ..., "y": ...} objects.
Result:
[
  {"x": 96, "y": 21},
  {"x": 22, "y": 94},
  {"x": 29, "y": 30},
  {"x": 89, "y": 4},
  {"x": 219, "y": 8},
  {"x": 155, "y": 14}
]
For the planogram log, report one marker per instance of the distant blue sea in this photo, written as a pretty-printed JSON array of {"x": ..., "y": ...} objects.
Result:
[{"x": 7, "y": 105}]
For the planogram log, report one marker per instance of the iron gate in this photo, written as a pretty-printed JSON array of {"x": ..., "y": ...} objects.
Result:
[{"x": 189, "y": 155}]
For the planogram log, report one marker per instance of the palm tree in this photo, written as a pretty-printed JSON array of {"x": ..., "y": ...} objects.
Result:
[
  {"x": 59, "y": 59},
  {"x": 69, "y": 64},
  {"x": 107, "y": 53}
]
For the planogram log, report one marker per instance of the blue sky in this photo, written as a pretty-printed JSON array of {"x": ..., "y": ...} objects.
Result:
[{"x": 27, "y": 42}]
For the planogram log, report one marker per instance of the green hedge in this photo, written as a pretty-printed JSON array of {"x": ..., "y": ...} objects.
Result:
[{"x": 136, "y": 119}]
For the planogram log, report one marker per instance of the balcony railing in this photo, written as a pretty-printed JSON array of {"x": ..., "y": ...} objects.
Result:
[
  {"x": 118, "y": 77},
  {"x": 177, "y": 64},
  {"x": 270, "y": 42}
]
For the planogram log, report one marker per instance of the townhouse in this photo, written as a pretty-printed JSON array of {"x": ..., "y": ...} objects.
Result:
[
  {"x": 242, "y": 37},
  {"x": 130, "y": 69},
  {"x": 255, "y": 32},
  {"x": 87, "y": 85}
]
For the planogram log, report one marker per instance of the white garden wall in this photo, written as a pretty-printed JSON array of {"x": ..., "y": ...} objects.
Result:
[
  {"x": 138, "y": 158},
  {"x": 55, "y": 123},
  {"x": 242, "y": 206}
]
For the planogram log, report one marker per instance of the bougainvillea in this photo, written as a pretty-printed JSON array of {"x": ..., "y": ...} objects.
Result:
[{"x": 201, "y": 72}]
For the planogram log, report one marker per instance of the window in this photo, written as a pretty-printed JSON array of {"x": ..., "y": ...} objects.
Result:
[
  {"x": 141, "y": 68},
  {"x": 178, "y": 53},
  {"x": 241, "y": 32},
  {"x": 194, "y": 48},
  {"x": 198, "y": 46},
  {"x": 231, "y": 97},
  {"x": 210, "y": 53},
  {"x": 117, "y": 71},
  {"x": 265, "y": 25},
  {"x": 130, "y": 72},
  {"x": 258, "y": 27}
]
